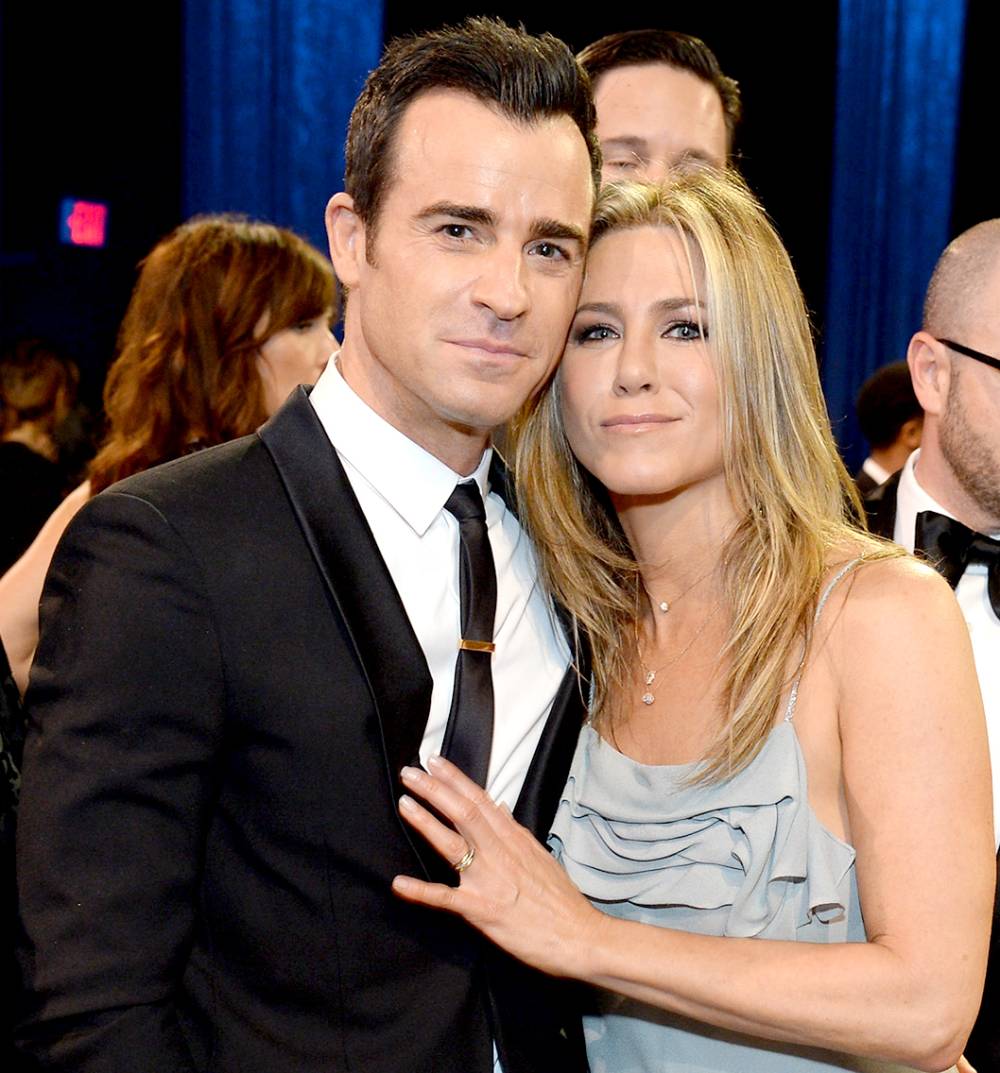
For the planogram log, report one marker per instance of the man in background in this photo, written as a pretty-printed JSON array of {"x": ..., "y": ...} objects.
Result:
[
  {"x": 891, "y": 421},
  {"x": 945, "y": 501},
  {"x": 662, "y": 103}
]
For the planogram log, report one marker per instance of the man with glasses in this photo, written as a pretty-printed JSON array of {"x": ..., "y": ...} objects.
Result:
[{"x": 945, "y": 502}]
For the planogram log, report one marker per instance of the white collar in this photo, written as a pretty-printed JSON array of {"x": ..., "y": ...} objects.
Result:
[
  {"x": 911, "y": 500},
  {"x": 414, "y": 483},
  {"x": 879, "y": 474}
]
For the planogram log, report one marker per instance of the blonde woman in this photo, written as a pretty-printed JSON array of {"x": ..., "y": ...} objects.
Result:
[{"x": 779, "y": 812}]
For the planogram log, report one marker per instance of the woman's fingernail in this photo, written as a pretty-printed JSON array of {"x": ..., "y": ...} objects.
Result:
[
  {"x": 434, "y": 760},
  {"x": 407, "y": 804},
  {"x": 410, "y": 774}
]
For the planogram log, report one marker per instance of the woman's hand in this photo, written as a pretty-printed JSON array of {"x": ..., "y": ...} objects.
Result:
[{"x": 513, "y": 890}]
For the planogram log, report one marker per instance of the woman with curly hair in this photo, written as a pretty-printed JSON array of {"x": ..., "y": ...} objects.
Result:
[{"x": 227, "y": 317}]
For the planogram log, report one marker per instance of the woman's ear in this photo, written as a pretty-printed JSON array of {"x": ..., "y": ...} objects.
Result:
[{"x": 345, "y": 232}]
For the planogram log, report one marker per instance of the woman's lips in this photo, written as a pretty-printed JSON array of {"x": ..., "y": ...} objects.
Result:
[{"x": 631, "y": 420}]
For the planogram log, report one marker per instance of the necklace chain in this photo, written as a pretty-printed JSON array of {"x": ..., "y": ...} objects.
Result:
[
  {"x": 666, "y": 605},
  {"x": 649, "y": 674}
]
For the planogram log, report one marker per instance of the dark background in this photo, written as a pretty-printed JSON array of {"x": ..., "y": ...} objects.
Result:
[{"x": 92, "y": 106}]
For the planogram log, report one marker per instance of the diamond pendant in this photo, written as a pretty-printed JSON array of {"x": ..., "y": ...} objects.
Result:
[
  {"x": 664, "y": 606},
  {"x": 648, "y": 698}
]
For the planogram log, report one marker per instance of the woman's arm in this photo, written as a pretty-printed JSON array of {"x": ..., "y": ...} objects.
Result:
[
  {"x": 916, "y": 779},
  {"x": 21, "y": 587}
]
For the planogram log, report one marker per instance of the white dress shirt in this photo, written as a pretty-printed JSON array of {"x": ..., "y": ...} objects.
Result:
[
  {"x": 402, "y": 490},
  {"x": 973, "y": 598}
]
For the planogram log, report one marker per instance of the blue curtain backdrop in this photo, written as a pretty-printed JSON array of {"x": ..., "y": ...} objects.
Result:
[
  {"x": 899, "y": 73},
  {"x": 269, "y": 86}
]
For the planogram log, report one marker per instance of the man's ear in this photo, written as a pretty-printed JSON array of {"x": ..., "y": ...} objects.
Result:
[
  {"x": 930, "y": 370},
  {"x": 345, "y": 231}
]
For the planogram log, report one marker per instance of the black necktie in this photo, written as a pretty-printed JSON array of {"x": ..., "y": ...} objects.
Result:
[
  {"x": 469, "y": 734},
  {"x": 951, "y": 547}
]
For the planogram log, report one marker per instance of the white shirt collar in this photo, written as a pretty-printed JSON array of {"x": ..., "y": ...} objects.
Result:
[
  {"x": 415, "y": 483},
  {"x": 879, "y": 474},
  {"x": 911, "y": 500}
]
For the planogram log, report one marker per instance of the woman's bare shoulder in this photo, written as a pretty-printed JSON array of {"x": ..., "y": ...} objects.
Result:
[{"x": 889, "y": 605}]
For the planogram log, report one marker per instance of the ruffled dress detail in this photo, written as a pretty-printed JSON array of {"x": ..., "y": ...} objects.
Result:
[{"x": 742, "y": 859}]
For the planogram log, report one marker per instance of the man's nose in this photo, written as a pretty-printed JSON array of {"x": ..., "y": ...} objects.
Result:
[{"x": 501, "y": 285}]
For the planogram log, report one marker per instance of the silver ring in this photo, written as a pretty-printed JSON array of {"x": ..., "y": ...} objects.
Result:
[{"x": 470, "y": 856}]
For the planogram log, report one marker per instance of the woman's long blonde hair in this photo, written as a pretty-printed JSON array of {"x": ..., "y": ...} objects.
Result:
[{"x": 797, "y": 504}]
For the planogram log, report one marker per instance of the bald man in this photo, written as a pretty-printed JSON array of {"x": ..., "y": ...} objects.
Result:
[
  {"x": 662, "y": 103},
  {"x": 945, "y": 501}
]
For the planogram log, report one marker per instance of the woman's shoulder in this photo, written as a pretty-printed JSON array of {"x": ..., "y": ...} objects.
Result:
[{"x": 887, "y": 598}]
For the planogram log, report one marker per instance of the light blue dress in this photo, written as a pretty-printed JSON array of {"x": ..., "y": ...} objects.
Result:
[{"x": 746, "y": 857}]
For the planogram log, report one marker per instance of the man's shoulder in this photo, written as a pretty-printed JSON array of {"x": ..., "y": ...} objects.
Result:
[
  {"x": 207, "y": 469},
  {"x": 228, "y": 490}
]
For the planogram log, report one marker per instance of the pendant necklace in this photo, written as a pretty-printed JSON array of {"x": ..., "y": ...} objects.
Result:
[
  {"x": 649, "y": 675},
  {"x": 666, "y": 605}
]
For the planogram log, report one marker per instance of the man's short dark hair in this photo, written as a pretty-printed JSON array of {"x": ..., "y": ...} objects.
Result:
[
  {"x": 682, "y": 51},
  {"x": 523, "y": 77},
  {"x": 885, "y": 403}
]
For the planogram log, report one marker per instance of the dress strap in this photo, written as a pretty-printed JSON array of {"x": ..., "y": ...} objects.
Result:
[{"x": 793, "y": 696}]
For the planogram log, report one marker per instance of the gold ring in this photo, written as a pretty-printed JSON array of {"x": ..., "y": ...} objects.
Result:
[{"x": 470, "y": 856}]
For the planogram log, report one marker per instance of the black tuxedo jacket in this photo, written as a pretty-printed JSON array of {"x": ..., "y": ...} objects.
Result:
[
  {"x": 880, "y": 506},
  {"x": 224, "y": 692},
  {"x": 983, "y": 1050}
]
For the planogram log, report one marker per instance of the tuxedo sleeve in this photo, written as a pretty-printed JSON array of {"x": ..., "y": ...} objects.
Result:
[{"x": 125, "y": 712}]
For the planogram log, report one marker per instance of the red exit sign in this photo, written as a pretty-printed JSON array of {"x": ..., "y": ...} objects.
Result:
[{"x": 83, "y": 223}]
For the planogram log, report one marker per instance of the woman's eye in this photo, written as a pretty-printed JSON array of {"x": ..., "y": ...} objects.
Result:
[
  {"x": 595, "y": 333},
  {"x": 685, "y": 330},
  {"x": 623, "y": 165}
]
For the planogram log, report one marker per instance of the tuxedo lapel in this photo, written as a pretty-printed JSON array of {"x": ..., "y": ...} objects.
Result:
[
  {"x": 543, "y": 785},
  {"x": 356, "y": 577},
  {"x": 880, "y": 507}
]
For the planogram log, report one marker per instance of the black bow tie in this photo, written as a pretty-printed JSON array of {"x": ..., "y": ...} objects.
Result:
[{"x": 951, "y": 547}]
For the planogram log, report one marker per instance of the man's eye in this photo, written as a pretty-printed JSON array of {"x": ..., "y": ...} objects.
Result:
[
  {"x": 457, "y": 230},
  {"x": 550, "y": 251}
]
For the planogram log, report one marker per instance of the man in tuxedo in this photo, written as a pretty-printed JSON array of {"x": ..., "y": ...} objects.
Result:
[
  {"x": 662, "y": 103},
  {"x": 241, "y": 649},
  {"x": 945, "y": 502}
]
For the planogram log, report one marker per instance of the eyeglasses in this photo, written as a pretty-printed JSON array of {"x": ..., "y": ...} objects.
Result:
[{"x": 976, "y": 355}]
